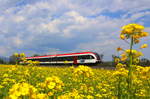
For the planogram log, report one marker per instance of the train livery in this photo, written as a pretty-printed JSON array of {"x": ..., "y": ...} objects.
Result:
[{"x": 68, "y": 58}]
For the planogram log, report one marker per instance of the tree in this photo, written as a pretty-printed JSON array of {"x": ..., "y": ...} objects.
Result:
[
  {"x": 35, "y": 55},
  {"x": 17, "y": 58},
  {"x": 1, "y": 61}
]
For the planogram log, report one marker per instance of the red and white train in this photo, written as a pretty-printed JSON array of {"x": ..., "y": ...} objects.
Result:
[{"x": 68, "y": 58}]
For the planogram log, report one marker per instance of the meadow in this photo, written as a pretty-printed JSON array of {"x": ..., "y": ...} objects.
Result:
[{"x": 82, "y": 82}]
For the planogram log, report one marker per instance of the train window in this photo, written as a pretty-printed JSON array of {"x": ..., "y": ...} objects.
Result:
[
  {"x": 70, "y": 58},
  {"x": 86, "y": 57},
  {"x": 54, "y": 59},
  {"x": 80, "y": 57},
  {"x": 46, "y": 59},
  {"x": 42, "y": 59},
  {"x": 35, "y": 59},
  {"x": 60, "y": 58},
  {"x": 65, "y": 59},
  {"x": 30, "y": 59},
  {"x": 91, "y": 57},
  {"x": 97, "y": 56}
]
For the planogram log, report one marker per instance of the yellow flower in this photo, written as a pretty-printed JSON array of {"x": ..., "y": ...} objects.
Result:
[
  {"x": 22, "y": 55},
  {"x": 135, "y": 53},
  {"x": 51, "y": 85},
  {"x": 136, "y": 36},
  {"x": 50, "y": 93},
  {"x": 21, "y": 89},
  {"x": 144, "y": 34},
  {"x": 120, "y": 65},
  {"x": 116, "y": 60},
  {"x": 64, "y": 97},
  {"x": 136, "y": 41},
  {"x": 141, "y": 92},
  {"x": 90, "y": 97},
  {"x": 16, "y": 54},
  {"x": 98, "y": 95},
  {"x": 133, "y": 30},
  {"x": 132, "y": 51},
  {"x": 91, "y": 89},
  {"x": 129, "y": 31},
  {"x": 136, "y": 60},
  {"x": 123, "y": 57},
  {"x": 42, "y": 96},
  {"x": 137, "y": 26},
  {"x": 144, "y": 46},
  {"x": 119, "y": 49},
  {"x": 84, "y": 71},
  {"x": 121, "y": 72},
  {"x": 122, "y": 37},
  {"x": 1, "y": 86}
]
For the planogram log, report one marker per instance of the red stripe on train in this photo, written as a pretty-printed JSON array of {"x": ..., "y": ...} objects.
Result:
[{"x": 60, "y": 55}]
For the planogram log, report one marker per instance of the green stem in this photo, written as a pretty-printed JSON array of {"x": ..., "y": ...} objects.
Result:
[
  {"x": 130, "y": 68},
  {"x": 130, "y": 54}
]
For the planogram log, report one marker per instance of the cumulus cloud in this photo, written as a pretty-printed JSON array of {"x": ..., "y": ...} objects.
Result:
[
  {"x": 128, "y": 5},
  {"x": 18, "y": 19}
]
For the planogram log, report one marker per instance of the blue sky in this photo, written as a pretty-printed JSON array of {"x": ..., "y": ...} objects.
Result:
[{"x": 64, "y": 26}]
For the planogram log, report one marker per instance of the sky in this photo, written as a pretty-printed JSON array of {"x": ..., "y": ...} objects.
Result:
[{"x": 65, "y": 26}]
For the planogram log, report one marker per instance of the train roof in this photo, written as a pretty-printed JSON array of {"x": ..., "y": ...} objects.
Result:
[{"x": 66, "y": 54}]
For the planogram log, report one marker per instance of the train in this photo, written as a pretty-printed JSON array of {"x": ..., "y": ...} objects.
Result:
[{"x": 79, "y": 58}]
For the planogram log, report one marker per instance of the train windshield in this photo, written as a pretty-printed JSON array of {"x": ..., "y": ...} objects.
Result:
[{"x": 97, "y": 55}]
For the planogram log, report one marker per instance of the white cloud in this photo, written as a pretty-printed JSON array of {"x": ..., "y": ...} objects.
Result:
[
  {"x": 1, "y": 18},
  {"x": 43, "y": 26},
  {"x": 52, "y": 26},
  {"x": 128, "y": 5},
  {"x": 18, "y": 19},
  {"x": 135, "y": 16},
  {"x": 76, "y": 16},
  {"x": 16, "y": 41},
  {"x": 53, "y": 51},
  {"x": 3, "y": 50}
]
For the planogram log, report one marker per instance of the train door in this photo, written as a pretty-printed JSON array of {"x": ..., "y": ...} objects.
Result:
[{"x": 75, "y": 60}]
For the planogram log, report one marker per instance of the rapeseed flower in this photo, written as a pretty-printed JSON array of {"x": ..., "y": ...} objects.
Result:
[
  {"x": 117, "y": 60},
  {"x": 122, "y": 72},
  {"x": 144, "y": 46},
  {"x": 134, "y": 31},
  {"x": 135, "y": 54},
  {"x": 74, "y": 94},
  {"x": 122, "y": 37},
  {"x": 141, "y": 93},
  {"x": 42, "y": 96},
  {"x": 119, "y": 49},
  {"x": 21, "y": 89},
  {"x": 83, "y": 70},
  {"x": 103, "y": 84},
  {"x": 120, "y": 65},
  {"x": 52, "y": 83}
]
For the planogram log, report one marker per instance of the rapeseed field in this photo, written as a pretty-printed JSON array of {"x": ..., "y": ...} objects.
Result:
[{"x": 82, "y": 82}]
